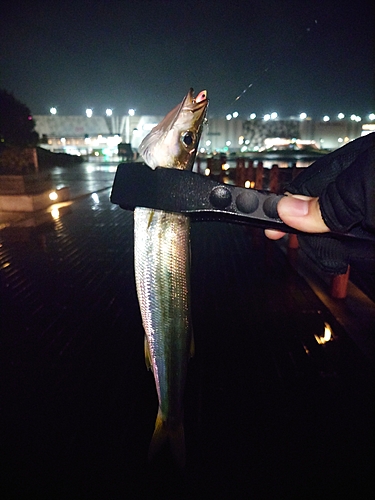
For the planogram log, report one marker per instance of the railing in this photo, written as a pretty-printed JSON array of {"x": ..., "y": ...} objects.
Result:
[{"x": 247, "y": 174}]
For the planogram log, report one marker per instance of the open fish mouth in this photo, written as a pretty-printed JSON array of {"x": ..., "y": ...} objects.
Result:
[{"x": 197, "y": 103}]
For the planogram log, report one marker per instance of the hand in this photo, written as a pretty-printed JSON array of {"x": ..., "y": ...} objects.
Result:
[{"x": 300, "y": 212}]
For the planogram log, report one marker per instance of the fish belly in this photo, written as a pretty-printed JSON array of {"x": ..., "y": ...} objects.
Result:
[{"x": 162, "y": 271}]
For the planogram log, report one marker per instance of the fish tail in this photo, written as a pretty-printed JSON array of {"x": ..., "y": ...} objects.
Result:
[{"x": 164, "y": 434}]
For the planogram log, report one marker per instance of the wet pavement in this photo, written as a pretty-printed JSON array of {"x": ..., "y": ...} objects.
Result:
[{"x": 269, "y": 411}]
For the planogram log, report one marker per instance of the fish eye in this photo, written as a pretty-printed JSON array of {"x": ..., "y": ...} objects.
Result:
[{"x": 187, "y": 138}]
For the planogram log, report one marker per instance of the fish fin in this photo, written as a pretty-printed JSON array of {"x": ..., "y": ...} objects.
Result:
[
  {"x": 151, "y": 216},
  {"x": 147, "y": 355},
  {"x": 163, "y": 435},
  {"x": 192, "y": 346}
]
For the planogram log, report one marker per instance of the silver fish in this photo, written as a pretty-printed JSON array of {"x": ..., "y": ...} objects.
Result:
[{"x": 162, "y": 273}]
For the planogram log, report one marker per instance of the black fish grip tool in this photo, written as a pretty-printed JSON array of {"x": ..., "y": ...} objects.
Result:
[
  {"x": 195, "y": 195},
  {"x": 201, "y": 198}
]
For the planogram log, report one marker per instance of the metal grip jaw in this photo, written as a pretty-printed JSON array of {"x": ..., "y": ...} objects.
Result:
[{"x": 137, "y": 185}]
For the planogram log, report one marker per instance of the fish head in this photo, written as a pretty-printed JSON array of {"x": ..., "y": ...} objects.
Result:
[{"x": 173, "y": 143}]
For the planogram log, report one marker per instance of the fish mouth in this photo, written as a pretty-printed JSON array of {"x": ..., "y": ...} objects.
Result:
[{"x": 191, "y": 103}]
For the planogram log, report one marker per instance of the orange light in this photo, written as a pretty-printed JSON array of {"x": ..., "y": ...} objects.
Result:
[{"x": 327, "y": 335}]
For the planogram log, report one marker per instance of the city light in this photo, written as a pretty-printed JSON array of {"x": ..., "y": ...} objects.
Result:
[
  {"x": 55, "y": 213},
  {"x": 252, "y": 116},
  {"x": 53, "y": 196},
  {"x": 230, "y": 138},
  {"x": 327, "y": 335},
  {"x": 95, "y": 198}
]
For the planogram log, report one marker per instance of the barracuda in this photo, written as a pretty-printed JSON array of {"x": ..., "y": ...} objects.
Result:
[{"x": 162, "y": 273}]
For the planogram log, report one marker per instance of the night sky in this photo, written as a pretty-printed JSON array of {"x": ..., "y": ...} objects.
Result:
[{"x": 314, "y": 56}]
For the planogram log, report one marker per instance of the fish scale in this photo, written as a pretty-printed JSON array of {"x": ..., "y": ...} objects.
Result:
[{"x": 162, "y": 269}]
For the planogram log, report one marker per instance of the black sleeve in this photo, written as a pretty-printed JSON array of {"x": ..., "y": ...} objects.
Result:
[{"x": 344, "y": 181}]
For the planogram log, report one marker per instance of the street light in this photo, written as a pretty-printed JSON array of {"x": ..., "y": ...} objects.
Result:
[
  {"x": 108, "y": 112},
  {"x": 326, "y": 118},
  {"x": 253, "y": 116},
  {"x": 340, "y": 116},
  {"x": 274, "y": 115},
  {"x": 89, "y": 112},
  {"x": 303, "y": 116},
  {"x": 53, "y": 111}
]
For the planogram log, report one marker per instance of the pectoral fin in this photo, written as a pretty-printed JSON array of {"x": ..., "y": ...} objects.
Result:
[{"x": 147, "y": 355}]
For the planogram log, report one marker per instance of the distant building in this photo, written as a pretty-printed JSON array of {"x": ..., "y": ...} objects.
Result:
[
  {"x": 256, "y": 132},
  {"x": 101, "y": 135},
  {"x": 331, "y": 134},
  {"x": 98, "y": 134}
]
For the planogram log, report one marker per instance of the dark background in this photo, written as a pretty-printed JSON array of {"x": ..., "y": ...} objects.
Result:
[
  {"x": 296, "y": 56},
  {"x": 269, "y": 413}
]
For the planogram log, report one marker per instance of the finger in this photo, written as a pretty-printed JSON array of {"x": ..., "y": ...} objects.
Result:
[
  {"x": 273, "y": 234},
  {"x": 302, "y": 213}
]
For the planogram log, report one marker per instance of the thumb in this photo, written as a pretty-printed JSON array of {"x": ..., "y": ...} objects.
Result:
[{"x": 302, "y": 213}]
